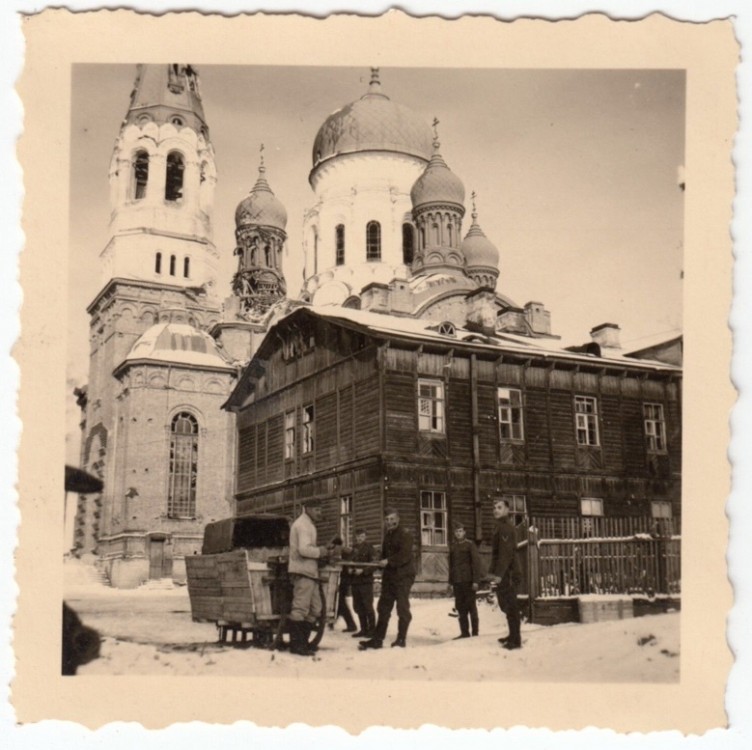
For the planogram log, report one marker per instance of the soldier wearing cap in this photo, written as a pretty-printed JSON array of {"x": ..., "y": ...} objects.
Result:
[
  {"x": 464, "y": 575},
  {"x": 396, "y": 582}
]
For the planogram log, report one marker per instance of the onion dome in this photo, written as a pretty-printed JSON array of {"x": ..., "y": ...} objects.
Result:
[
  {"x": 176, "y": 343},
  {"x": 477, "y": 248},
  {"x": 372, "y": 123},
  {"x": 261, "y": 207},
  {"x": 437, "y": 184}
]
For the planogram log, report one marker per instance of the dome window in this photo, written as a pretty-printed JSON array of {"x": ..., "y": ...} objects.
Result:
[
  {"x": 186, "y": 267},
  {"x": 447, "y": 329},
  {"x": 408, "y": 243},
  {"x": 172, "y": 265},
  {"x": 140, "y": 175},
  {"x": 158, "y": 263},
  {"x": 174, "y": 180},
  {"x": 373, "y": 241},
  {"x": 339, "y": 244},
  {"x": 177, "y": 121}
]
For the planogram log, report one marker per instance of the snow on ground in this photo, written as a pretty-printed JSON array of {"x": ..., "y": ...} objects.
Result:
[{"x": 151, "y": 632}]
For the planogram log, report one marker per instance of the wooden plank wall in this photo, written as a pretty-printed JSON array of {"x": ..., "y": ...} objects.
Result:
[{"x": 548, "y": 467}]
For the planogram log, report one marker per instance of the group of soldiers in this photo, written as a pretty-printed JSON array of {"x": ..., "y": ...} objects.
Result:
[{"x": 397, "y": 577}]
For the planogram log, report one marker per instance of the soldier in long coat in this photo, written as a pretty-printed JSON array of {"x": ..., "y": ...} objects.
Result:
[{"x": 506, "y": 572}]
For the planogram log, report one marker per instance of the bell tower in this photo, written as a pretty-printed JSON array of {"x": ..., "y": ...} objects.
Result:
[{"x": 162, "y": 179}]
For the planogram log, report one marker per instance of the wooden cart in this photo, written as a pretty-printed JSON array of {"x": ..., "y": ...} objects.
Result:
[{"x": 240, "y": 582}]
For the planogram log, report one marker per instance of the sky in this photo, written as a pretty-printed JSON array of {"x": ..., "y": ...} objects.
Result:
[{"x": 577, "y": 175}]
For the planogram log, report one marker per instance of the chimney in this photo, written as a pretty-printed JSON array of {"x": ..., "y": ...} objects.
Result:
[
  {"x": 606, "y": 335},
  {"x": 538, "y": 318}
]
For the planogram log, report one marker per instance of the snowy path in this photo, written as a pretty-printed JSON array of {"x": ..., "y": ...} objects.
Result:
[{"x": 151, "y": 632}]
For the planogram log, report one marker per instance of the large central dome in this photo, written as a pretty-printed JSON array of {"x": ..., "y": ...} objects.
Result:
[{"x": 372, "y": 123}]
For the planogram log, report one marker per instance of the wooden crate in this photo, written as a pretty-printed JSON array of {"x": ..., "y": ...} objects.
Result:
[
  {"x": 601, "y": 610},
  {"x": 204, "y": 587}
]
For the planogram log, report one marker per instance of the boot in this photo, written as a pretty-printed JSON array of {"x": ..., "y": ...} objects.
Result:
[
  {"x": 377, "y": 639},
  {"x": 370, "y": 643},
  {"x": 474, "y": 622},
  {"x": 363, "y": 632},
  {"x": 299, "y": 638},
  {"x": 401, "y": 635},
  {"x": 309, "y": 626},
  {"x": 371, "y": 627}
]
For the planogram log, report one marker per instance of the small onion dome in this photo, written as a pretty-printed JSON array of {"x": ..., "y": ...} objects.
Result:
[
  {"x": 261, "y": 207},
  {"x": 372, "y": 123},
  {"x": 478, "y": 250},
  {"x": 437, "y": 184}
]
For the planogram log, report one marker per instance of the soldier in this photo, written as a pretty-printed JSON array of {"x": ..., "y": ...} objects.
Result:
[
  {"x": 396, "y": 581},
  {"x": 505, "y": 571},
  {"x": 464, "y": 575},
  {"x": 303, "y": 567},
  {"x": 361, "y": 584}
]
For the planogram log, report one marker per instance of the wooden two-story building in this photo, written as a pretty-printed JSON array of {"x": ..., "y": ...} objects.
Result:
[{"x": 365, "y": 410}]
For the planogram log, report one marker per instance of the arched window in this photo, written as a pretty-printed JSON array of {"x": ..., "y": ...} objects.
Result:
[
  {"x": 158, "y": 263},
  {"x": 408, "y": 244},
  {"x": 174, "y": 180},
  {"x": 436, "y": 235},
  {"x": 181, "y": 496},
  {"x": 172, "y": 265},
  {"x": 268, "y": 255},
  {"x": 140, "y": 174},
  {"x": 186, "y": 267},
  {"x": 373, "y": 240},
  {"x": 422, "y": 238},
  {"x": 339, "y": 244},
  {"x": 450, "y": 235}
]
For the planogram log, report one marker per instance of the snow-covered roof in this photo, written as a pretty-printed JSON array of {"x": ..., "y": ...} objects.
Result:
[
  {"x": 177, "y": 343},
  {"x": 426, "y": 330}
]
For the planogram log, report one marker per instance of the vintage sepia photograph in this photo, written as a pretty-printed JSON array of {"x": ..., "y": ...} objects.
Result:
[
  {"x": 379, "y": 378},
  {"x": 375, "y": 372}
]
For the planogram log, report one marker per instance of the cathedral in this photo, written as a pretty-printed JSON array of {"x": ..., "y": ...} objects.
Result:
[{"x": 398, "y": 375}]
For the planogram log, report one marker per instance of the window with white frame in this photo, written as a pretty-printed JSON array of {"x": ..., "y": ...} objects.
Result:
[
  {"x": 289, "y": 435},
  {"x": 591, "y": 506},
  {"x": 510, "y": 413},
  {"x": 433, "y": 518},
  {"x": 586, "y": 420},
  {"x": 346, "y": 519},
  {"x": 308, "y": 425},
  {"x": 660, "y": 509},
  {"x": 655, "y": 427},
  {"x": 431, "y": 405}
]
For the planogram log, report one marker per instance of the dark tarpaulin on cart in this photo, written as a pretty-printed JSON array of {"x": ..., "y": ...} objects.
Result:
[{"x": 262, "y": 530}]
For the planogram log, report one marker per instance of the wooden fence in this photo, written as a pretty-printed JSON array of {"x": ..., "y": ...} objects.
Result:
[{"x": 640, "y": 562}]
